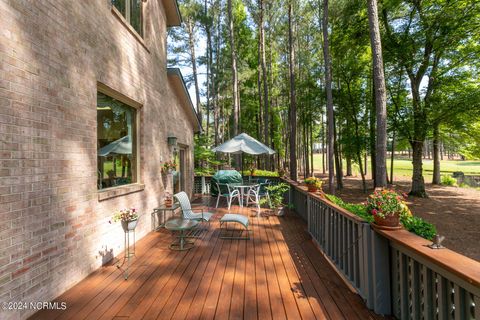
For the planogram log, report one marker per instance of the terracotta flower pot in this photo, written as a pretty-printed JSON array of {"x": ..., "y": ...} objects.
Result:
[
  {"x": 312, "y": 188},
  {"x": 129, "y": 225},
  {"x": 390, "y": 221}
]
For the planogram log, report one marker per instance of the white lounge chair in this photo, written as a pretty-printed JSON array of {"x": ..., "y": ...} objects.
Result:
[{"x": 187, "y": 211}]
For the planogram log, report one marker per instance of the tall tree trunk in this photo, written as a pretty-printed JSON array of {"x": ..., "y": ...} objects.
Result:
[
  {"x": 349, "y": 165},
  {"x": 418, "y": 183},
  {"x": 191, "y": 45},
  {"x": 417, "y": 142},
  {"x": 328, "y": 88},
  {"x": 216, "y": 103},
  {"x": 380, "y": 96},
  {"x": 209, "y": 73},
  {"x": 312, "y": 171},
  {"x": 293, "y": 101},
  {"x": 259, "y": 93},
  {"x": 323, "y": 145},
  {"x": 236, "y": 98},
  {"x": 338, "y": 159},
  {"x": 372, "y": 135},
  {"x": 436, "y": 153},
  {"x": 392, "y": 156},
  {"x": 305, "y": 149},
  {"x": 366, "y": 162},
  {"x": 266, "y": 111}
]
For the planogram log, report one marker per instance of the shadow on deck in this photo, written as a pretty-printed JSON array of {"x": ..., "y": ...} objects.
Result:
[{"x": 276, "y": 274}]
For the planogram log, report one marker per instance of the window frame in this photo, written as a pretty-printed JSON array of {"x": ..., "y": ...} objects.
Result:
[
  {"x": 136, "y": 184},
  {"x": 128, "y": 16}
]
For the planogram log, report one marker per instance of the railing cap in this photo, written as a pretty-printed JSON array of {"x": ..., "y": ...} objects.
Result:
[
  {"x": 304, "y": 190},
  {"x": 456, "y": 263}
]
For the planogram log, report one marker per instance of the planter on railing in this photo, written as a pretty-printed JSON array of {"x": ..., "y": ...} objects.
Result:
[{"x": 394, "y": 271}]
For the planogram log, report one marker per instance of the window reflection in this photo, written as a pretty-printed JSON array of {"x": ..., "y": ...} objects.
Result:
[
  {"x": 131, "y": 10},
  {"x": 115, "y": 142}
]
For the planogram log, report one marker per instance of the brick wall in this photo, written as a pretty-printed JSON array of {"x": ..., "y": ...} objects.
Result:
[{"x": 53, "y": 228}]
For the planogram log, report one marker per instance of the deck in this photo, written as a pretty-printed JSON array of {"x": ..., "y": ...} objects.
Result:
[{"x": 277, "y": 274}]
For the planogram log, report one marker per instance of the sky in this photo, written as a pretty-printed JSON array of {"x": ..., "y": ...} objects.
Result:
[{"x": 200, "y": 50}]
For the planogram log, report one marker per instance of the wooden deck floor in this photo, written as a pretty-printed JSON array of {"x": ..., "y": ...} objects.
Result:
[{"x": 277, "y": 274}]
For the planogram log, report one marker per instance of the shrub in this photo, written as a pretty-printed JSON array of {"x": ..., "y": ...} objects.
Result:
[
  {"x": 411, "y": 223},
  {"x": 357, "y": 209},
  {"x": 449, "y": 181},
  {"x": 204, "y": 171},
  {"x": 420, "y": 227},
  {"x": 261, "y": 173}
]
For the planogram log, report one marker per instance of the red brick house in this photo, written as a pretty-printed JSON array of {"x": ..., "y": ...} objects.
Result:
[{"x": 86, "y": 108}]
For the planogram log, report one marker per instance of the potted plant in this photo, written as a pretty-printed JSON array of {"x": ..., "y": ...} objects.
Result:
[
  {"x": 169, "y": 166},
  {"x": 276, "y": 194},
  {"x": 168, "y": 199},
  {"x": 313, "y": 184},
  {"x": 387, "y": 207},
  {"x": 128, "y": 218}
]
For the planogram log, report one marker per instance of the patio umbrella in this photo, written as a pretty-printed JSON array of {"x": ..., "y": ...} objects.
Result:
[
  {"x": 120, "y": 146},
  {"x": 243, "y": 143}
]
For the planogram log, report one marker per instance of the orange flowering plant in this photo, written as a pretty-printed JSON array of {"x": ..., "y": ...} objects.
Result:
[
  {"x": 313, "y": 181},
  {"x": 387, "y": 202}
]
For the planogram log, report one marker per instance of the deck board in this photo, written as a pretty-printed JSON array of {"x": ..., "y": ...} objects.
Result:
[{"x": 277, "y": 274}]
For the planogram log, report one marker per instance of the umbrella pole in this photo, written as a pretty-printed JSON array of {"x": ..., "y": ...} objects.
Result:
[{"x": 241, "y": 166}]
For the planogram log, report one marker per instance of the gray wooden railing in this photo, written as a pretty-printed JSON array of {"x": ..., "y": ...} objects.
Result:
[
  {"x": 394, "y": 271},
  {"x": 423, "y": 289},
  {"x": 340, "y": 235}
]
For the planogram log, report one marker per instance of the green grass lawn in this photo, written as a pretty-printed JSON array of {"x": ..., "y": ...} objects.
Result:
[{"x": 403, "y": 167}]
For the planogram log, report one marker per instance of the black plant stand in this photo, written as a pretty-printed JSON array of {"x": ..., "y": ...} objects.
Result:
[{"x": 128, "y": 249}]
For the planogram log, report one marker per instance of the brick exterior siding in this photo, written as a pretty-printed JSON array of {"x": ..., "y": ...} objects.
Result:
[{"x": 54, "y": 231}]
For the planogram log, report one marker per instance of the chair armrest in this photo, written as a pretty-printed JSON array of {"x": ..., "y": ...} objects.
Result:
[{"x": 198, "y": 210}]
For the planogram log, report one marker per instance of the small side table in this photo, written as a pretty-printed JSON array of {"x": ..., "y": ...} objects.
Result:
[
  {"x": 162, "y": 210},
  {"x": 182, "y": 226}
]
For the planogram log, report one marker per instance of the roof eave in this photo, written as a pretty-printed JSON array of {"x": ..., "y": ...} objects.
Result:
[
  {"x": 176, "y": 78},
  {"x": 172, "y": 13}
]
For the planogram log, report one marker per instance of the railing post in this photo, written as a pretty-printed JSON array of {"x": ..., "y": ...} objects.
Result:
[
  {"x": 365, "y": 264},
  {"x": 380, "y": 274},
  {"x": 204, "y": 186},
  {"x": 308, "y": 214}
]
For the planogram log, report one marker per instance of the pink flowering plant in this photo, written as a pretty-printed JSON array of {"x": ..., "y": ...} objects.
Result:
[
  {"x": 125, "y": 215},
  {"x": 169, "y": 165},
  {"x": 387, "y": 202}
]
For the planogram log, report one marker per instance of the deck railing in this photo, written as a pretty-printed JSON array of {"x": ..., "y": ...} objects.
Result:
[
  {"x": 342, "y": 236},
  {"x": 394, "y": 271}
]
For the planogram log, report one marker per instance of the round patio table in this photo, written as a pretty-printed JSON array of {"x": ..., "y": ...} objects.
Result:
[
  {"x": 182, "y": 226},
  {"x": 242, "y": 187}
]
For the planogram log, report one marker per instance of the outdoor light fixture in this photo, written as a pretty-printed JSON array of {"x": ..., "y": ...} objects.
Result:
[{"x": 172, "y": 140}]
